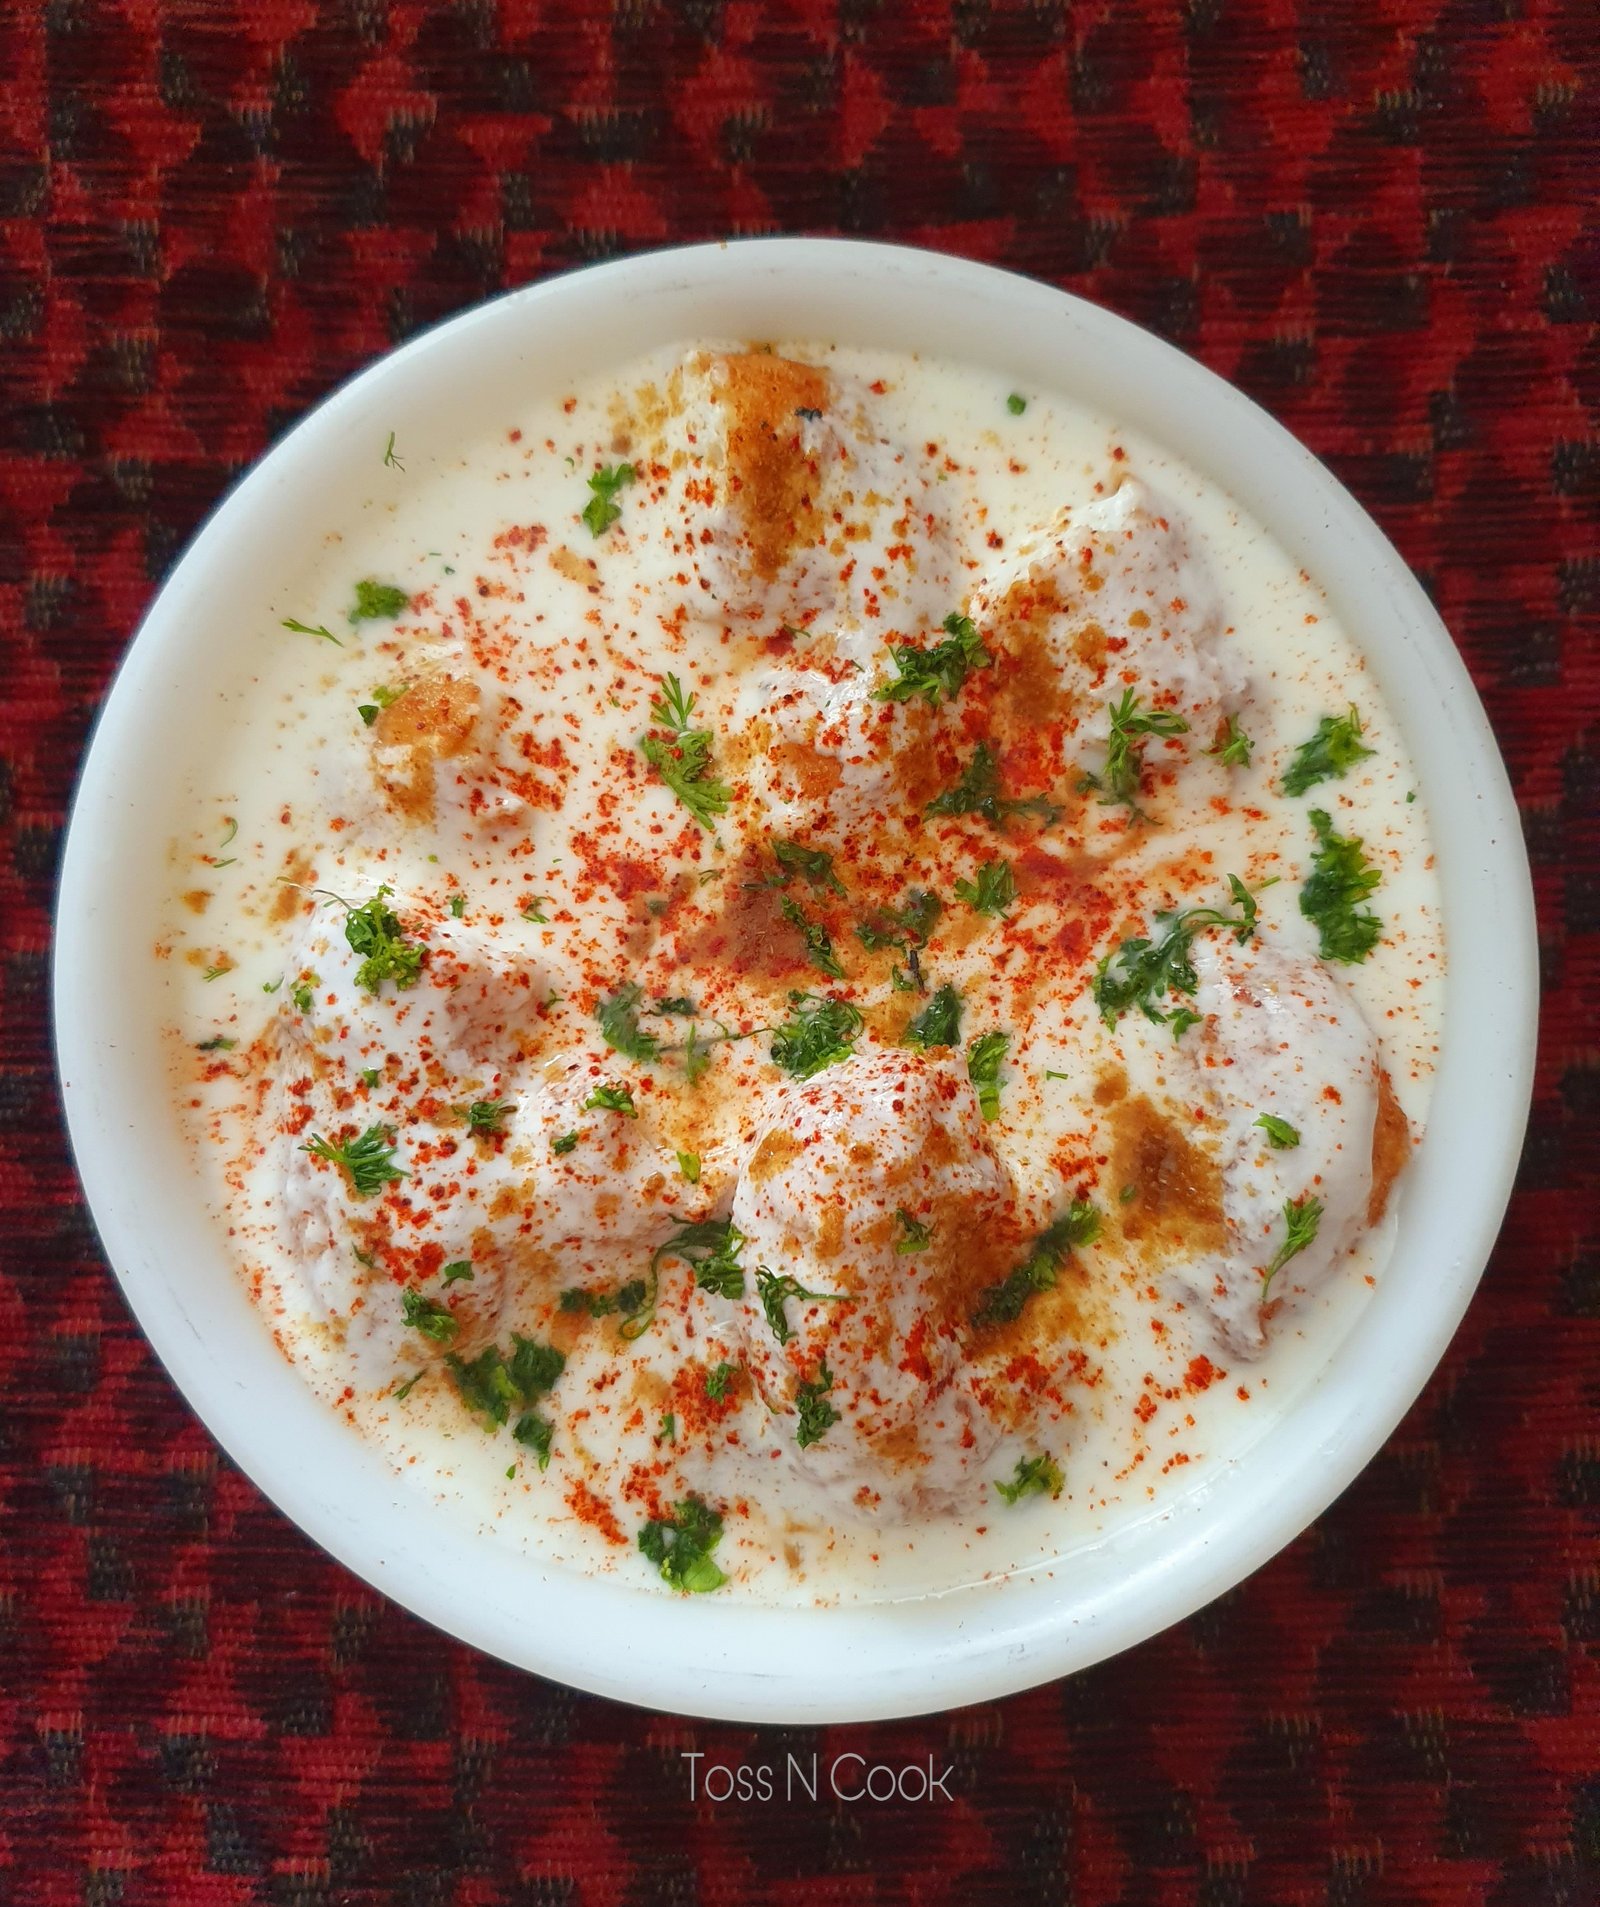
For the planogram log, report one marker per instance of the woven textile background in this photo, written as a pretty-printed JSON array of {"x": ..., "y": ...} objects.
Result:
[{"x": 1377, "y": 216}]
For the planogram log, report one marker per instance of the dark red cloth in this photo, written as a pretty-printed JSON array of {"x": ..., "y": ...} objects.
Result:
[{"x": 1379, "y": 217}]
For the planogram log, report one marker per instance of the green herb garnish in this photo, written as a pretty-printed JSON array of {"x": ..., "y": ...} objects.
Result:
[
  {"x": 680, "y": 1546},
  {"x": 455, "y": 1271},
  {"x": 378, "y": 602},
  {"x": 434, "y": 1320},
  {"x": 717, "y": 1380},
  {"x": 1035, "y": 1476},
  {"x": 218, "y": 1043},
  {"x": 1279, "y": 1132},
  {"x": 368, "y": 1159},
  {"x": 537, "y": 1434},
  {"x": 914, "y": 1235},
  {"x": 906, "y": 927},
  {"x": 814, "y": 865},
  {"x": 1005, "y": 1302},
  {"x": 942, "y": 670},
  {"x": 689, "y": 1166},
  {"x": 1120, "y": 780},
  {"x": 818, "y": 941},
  {"x": 489, "y": 1115},
  {"x": 567, "y": 1142},
  {"x": 775, "y": 1291},
  {"x": 984, "y": 1057},
  {"x": 491, "y": 1383},
  {"x": 1341, "y": 879},
  {"x": 374, "y": 931},
  {"x": 978, "y": 792},
  {"x": 612, "y": 1099},
  {"x": 1301, "y": 1216},
  {"x": 820, "y": 1032},
  {"x": 627, "y": 1299},
  {"x": 309, "y": 629},
  {"x": 992, "y": 892},
  {"x": 1329, "y": 755},
  {"x": 382, "y": 698},
  {"x": 1234, "y": 746},
  {"x": 1142, "y": 970},
  {"x": 939, "y": 1022},
  {"x": 602, "y": 509},
  {"x": 1016, "y": 404},
  {"x": 683, "y": 761},
  {"x": 618, "y": 1015},
  {"x": 811, "y": 1401}
]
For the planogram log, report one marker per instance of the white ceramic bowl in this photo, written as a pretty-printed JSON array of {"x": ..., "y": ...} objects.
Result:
[{"x": 690, "y": 1654}]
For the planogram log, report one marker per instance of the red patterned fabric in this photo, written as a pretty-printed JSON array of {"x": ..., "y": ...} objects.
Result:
[{"x": 1379, "y": 217}]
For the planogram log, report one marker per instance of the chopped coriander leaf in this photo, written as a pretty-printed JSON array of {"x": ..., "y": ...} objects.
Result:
[
  {"x": 815, "y": 865},
  {"x": 303, "y": 996},
  {"x": 818, "y": 941},
  {"x": 404, "y": 1390},
  {"x": 1182, "y": 1019},
  {"x": 1341, "y": 879},
  {"x": 368, "y": 1159},
  {"x": 1035, "y": 1476},
  {"x": 939, "y": 1022},
  {"x": 489, "y": 1115},
  {"x": 711, "y": 1246},
  {"x": 223, "y": 966},
  {"x": 612, "y": 1099},
  {"x": 680, "y": 1003},
  {"x": 378, "y": 602},
  {"x": 1301, "y": 1217},
  {"x": 458, "y": 905},
  {"x": 1016, "y": 404},
  {"x": 374, "y": 931},
  {"x": 914, "y": 1235},
  {"x": 602, "y": 509},
  {"x": 564, "y": 1143},
  {"x": 815, "y": 1412},
  {"x": 906, "y": 927},
  {"x": 717, "y": 1380},
  {"x": 626, "y": 1299},
  {"x": 618, "y": 1015},
  {"x": 370, "y": 1076},
  {"x": 455, "y": 1271},
  {"x": 689, "y": 1166},
  {"x": 978, "y": 792},
  {"x": 382, "y": 698},
  {"x": 820, "y": 1032},
  {"x": 1141, "y": 970},
  {"x": 680, "y": 1546},
  {"x": 992, "y": 892},
  {"x": 427, "y": 1315},
  {"x": 534, "y": 910},
  {"x": 364, "y": 1258},
  {"x": 1232, "y": 747},
  {"x": 1127, "y": 1195},
  {"x": 1329, "y": 755},
  {"x": 683, "y": 761},
  {"x": 491, "y": 1382},
  {"x": 1050, "y": 1075},
  {"x": 775, "y": 1291},
  {"x": 1004, "y": 1303},
  {"x": 668, "y": 1431},
  {"x": 218, "y": 1043},
  {"x": 984, "y": 1058},
  {"x": 942, "y": 670},
  {"x": 1120, "y": 780},
  {"x": 307, "y": 629},
  {"x": 537, "y": 1434},
  {"x": 695, "y": 1057},
  {"x": 901, "y": 981},
  {"x": 1280, "y": 1133}
]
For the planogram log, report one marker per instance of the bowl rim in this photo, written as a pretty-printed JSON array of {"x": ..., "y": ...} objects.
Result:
[{"x": 880, "y": 1659}]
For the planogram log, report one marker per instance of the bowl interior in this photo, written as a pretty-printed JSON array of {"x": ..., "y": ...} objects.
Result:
[{"x": 746, "y": 1662}]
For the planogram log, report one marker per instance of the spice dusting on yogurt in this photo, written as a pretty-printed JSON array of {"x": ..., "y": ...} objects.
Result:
[{"x": 806, "y": 976}]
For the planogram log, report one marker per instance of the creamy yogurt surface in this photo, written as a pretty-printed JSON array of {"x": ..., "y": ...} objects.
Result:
[{"x": 804, "y": 942}]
